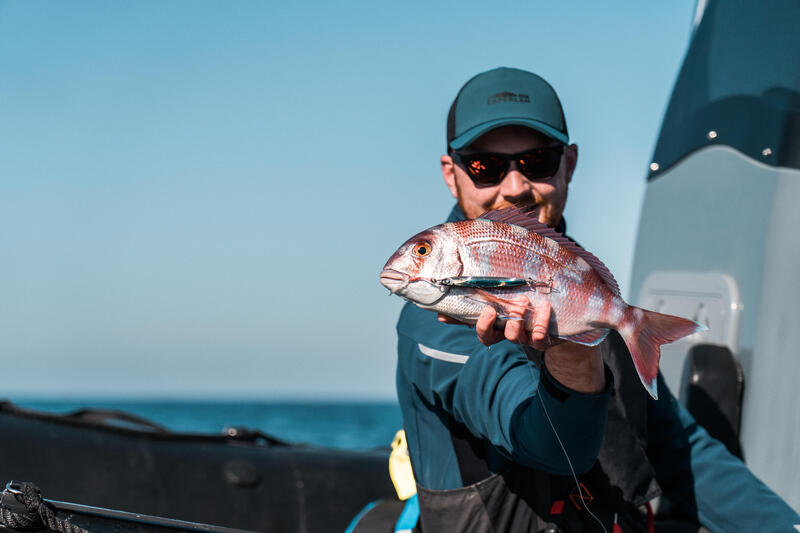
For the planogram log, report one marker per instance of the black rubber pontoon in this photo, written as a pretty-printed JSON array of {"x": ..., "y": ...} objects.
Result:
[{"x": 240, "y": 480}]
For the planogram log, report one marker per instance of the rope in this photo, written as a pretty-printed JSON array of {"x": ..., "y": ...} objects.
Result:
[{"x": 37, "y": 512}]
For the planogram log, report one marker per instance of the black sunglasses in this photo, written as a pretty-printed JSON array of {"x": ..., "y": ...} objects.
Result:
[{"x": 486, "y": 169}]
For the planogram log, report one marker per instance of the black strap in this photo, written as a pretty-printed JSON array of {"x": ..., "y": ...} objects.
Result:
[
  {"x": 470, "y": 453},
  {"x": 381, "y": 517}
]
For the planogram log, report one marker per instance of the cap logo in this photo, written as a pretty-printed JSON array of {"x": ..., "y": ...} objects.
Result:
[{"x": 507, "y": 96}]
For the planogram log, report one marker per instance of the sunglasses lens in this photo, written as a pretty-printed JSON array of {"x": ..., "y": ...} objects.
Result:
[
  {"x": 486, "y": 169},
  {"x": 489, "y": 169},
  {"x": 542, "y": 163}
]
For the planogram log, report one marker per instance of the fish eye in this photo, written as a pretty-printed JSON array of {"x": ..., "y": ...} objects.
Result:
[{"x": 422, "y": 248}]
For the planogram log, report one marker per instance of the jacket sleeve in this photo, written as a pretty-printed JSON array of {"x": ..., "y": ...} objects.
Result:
[
  {"x": 699, "y": 474},
  {"x": 503, "y": 397}
]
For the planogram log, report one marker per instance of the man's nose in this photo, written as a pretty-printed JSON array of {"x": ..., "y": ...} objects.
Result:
[{"x": 515, "y": 185}]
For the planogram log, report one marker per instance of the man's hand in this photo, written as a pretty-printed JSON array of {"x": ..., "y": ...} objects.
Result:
[
  {"x": 514, "y": 330},
  {"x": 575, "y": 366}
]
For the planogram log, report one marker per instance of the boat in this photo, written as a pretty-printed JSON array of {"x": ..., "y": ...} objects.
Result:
[
  {"x": 120, "y": 472},
  {"x": 717, "y": 238}
]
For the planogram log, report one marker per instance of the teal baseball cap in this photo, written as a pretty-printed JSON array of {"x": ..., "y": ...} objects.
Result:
[{"x": 504, "y": 97}]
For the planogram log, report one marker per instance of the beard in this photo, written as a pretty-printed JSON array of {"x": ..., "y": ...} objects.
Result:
[
  {"x": 548, "y": 214},
  {"x": 474, "y": 201}
]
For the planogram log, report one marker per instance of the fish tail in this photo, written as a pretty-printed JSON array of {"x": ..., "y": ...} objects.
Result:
[{"x": 644, "y": 332}]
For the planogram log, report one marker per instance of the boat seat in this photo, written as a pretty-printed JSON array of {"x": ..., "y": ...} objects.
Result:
[{"x": 712, "y": 387}]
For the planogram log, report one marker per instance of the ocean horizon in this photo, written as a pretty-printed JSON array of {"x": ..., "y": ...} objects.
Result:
[{"x": 335, "y": 423}]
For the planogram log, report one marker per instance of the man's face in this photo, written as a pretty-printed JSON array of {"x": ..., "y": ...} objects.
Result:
[{"x": 515, "y": 189}]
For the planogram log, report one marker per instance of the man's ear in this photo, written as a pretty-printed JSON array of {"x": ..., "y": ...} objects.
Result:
[
  {"x": 449, "y": 174},
  {"x": 571, "y": 160}
]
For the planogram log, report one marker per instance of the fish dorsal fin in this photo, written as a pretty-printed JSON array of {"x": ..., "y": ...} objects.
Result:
[
  {"x": 598, "y": 266},
  {"x": 528, "y": 218},
  {"x": 524, "y": 217}
]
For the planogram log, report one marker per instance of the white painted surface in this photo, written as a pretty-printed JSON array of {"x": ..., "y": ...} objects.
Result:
[{"x": 720, "y": 214}]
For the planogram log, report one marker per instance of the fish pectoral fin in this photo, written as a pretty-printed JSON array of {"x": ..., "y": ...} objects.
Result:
[
  {"x": 504, "y": 306},
  {"x": 535, "y": 318},
  {"x": 501, "y": 314},
  {"x": 593, "y": 337},
  {"x": 488, "y": 297}
]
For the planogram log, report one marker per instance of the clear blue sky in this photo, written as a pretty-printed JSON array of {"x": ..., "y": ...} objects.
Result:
[{"x": 196, "y": 198}]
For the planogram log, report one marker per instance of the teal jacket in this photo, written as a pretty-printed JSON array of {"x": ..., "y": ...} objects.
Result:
[{"x": 445, "y": 374}]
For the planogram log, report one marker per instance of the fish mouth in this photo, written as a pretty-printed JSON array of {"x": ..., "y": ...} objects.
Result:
[{"x": 393, "y": 280}]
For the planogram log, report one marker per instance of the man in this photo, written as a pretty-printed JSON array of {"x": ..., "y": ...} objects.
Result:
[{"x": 498, "y": 424}]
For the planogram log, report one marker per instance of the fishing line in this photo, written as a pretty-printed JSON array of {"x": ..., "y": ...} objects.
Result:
[{"x": 571, "y": 468}]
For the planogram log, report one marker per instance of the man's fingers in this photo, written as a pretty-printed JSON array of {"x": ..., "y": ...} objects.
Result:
[
  {"x": 541, "y": 321},
  {"x": 487, "y": 334},
  {"x": 484, "y": 327},
  {"x": 486, "y": 320},
  {"x": 448, "y": 320},
  {"x": 515, "y": 330},
  {"x": 491, "y": 337}
]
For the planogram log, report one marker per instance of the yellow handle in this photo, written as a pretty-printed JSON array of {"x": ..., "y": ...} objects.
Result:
[{"x": 400, "y": 468}]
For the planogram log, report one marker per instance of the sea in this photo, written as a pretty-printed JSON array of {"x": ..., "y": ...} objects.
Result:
[{"x": 350, "y": 425}]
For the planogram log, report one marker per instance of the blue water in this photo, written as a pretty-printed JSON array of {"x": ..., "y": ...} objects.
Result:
[{"x": 345, "y": 425}]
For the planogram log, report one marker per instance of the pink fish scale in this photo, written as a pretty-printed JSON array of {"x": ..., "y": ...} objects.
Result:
[{"x": 490, "y": 248}]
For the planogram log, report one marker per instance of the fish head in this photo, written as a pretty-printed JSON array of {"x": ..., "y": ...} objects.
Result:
[{"x": 413, "y": 270}]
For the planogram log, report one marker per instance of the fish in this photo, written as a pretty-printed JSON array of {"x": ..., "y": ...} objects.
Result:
[{"x": 458, "y": 268}]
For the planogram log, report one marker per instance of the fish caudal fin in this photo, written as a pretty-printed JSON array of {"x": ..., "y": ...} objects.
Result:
[{"x": 644, "y": 332}]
